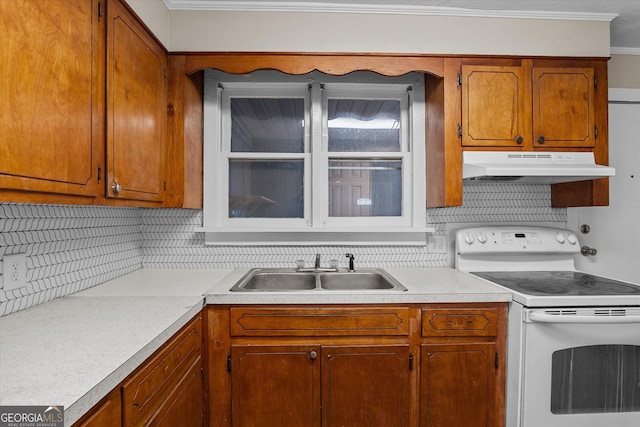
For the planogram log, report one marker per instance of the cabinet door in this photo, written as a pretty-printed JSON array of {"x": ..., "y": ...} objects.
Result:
[
  {"x": 365, "y": 386},
  {"x": 457, "y": 385},
  {"x": 136, "y": 109},
  {"x": 51, "y": 74},
  {"x": 564, "y": 107},
  {"x": 275, "y": 385},
  {"x": 154, "y": 382},
  {"x": 183, "y": 407},
  {"x": 495, "y": 106}
]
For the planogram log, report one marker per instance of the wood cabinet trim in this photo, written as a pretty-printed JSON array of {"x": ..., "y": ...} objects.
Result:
[
  {"x": 459, "y": 322},
  {"x": 302, "y": 63},
  {"x": 319, "y": 321}
]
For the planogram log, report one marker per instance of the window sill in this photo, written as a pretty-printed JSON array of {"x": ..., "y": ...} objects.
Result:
[{"x": 312, "y": 237}]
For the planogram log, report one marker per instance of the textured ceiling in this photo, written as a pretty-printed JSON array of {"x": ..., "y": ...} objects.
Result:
[{"x": 625, "y": 26}]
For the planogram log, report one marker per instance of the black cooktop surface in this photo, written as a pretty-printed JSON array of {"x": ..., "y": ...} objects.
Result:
[{"x": 559, "y": 283}]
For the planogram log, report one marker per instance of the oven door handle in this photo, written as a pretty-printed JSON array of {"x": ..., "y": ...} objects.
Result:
[{"x": 534, "y": 316}]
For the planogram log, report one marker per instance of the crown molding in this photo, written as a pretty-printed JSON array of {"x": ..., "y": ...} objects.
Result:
[{"x": 392, "y": 9}]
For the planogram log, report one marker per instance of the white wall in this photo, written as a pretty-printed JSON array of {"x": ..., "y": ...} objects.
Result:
[
  {"x": 368, "y": 32},
  {"x": 155, "y": 15},
  {"x": 615, "y": 229},
  {"x": 624, "y": 70},
  {"x": 333, "y": 32}
]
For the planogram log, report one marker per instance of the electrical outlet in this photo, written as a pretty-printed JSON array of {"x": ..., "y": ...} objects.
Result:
[
  {"x": 437, "y": 244},
  {"x": 14, "y": 271}
]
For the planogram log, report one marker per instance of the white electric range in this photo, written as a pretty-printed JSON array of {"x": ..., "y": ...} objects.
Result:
[{"x": 574, "y": 338}]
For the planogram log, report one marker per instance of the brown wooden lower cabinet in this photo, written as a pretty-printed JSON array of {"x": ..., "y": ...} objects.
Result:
[
  {"x": 429, "y": 365},
  {"x": 166, "y": 390},
  {"x": 422, "y": 365},
  {"x": 458, "y": 383},
  {"x": 106, "y": 413},
  {"x": 306, "y": 385},
  {"x": 276, "y": 383},
  {"x": 366, "y": 385},
  {"x": 183, "y": 406}
]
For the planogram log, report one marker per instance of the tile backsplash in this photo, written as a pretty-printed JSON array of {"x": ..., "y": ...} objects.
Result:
[
  {"x": 71, "y": 248},
  {"x": 68, "y": 248}
]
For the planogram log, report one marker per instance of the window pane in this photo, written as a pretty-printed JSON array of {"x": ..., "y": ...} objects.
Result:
[
  {"x": 364, "y": 125},
  {"x": 365, "y": 188},
  {"x": 596, "y": 379},
  {"x": 267, "y": 125},
  {"x": 266, "y": 189}
]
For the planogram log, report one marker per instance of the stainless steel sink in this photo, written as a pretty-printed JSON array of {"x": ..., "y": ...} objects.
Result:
[
  {"x": 264, "y": 280},
  {"x": 289, "y": 280},
  {"x": 359, "y": 281}
]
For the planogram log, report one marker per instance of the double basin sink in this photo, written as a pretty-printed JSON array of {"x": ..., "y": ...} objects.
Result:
[{"x": 290, "y": 280}]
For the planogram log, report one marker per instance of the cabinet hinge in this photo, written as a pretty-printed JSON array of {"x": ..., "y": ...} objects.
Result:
[
  {"x": 99, "y": 174},
  {"x": 411, "y": 361},
  {"x": 100, "y": 10},
  {"x": 229, "y": 363},
  {"x": 460, "y": 79},
  {"x": 497, "y": 360},
  {"x": 595, "y": 82},
  {"x": 459, "y": 130},
  {"x": 595, "y": 132}
]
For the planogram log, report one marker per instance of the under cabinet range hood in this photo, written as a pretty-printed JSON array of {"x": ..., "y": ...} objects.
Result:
[{"x": 532, "y": 167}]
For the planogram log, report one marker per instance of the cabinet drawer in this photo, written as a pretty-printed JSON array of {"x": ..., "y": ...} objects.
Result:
[
  {"x": 319, "y": 321},
  {"x": 459, "y": 322},
  {"x": 149, "y": 384}
]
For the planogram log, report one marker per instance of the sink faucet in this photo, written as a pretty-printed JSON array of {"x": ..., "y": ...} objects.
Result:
[
  {"x": 317, "y": 268},
  {"x": 351, "y": 266}
]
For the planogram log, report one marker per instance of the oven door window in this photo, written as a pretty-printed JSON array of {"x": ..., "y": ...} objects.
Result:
[{"x": 596, "y": 379}]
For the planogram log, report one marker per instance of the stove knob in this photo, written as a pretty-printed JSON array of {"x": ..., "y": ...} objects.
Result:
[
  {"x": 469, "y": 239},
  {"x": 572, "y": 239},
  {"x": 560, "y": 238},
  {"x": 482, "y": 238}
]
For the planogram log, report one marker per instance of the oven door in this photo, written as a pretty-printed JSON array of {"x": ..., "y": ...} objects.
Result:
[{"x": 581, "y": 367}]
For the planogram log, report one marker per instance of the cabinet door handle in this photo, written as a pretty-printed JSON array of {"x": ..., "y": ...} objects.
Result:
[
  {"x": 116, "y": 187},
  {"x": 519, "y": 139},
  {"x": 313, "y": 355},
  {"x": 541, "y": 139}
]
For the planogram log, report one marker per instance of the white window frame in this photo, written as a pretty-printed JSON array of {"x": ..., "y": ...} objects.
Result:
[
  {"x": 316, "y": 227},
  {"x": 265, "y": 90},
  {"x": 322, "y": 158}
]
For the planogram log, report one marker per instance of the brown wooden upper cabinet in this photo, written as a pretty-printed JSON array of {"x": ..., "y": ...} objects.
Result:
[
  {"x": 86, "y": 95},
  {"x": 51, "y": 71},
  {"x": 527, "y": 107},
  {"x": 136, "y": 109}
]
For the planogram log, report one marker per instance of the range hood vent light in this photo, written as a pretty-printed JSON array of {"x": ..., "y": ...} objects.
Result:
[{"x": 527, "y": 167}]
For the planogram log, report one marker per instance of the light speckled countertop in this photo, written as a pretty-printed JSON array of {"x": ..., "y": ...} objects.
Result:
[
  {"x": 73, "y": 351},
  {"x": 424, "y": 285}
]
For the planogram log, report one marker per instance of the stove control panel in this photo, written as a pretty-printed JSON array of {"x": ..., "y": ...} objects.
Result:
[{"x": 516, "y": 239}]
